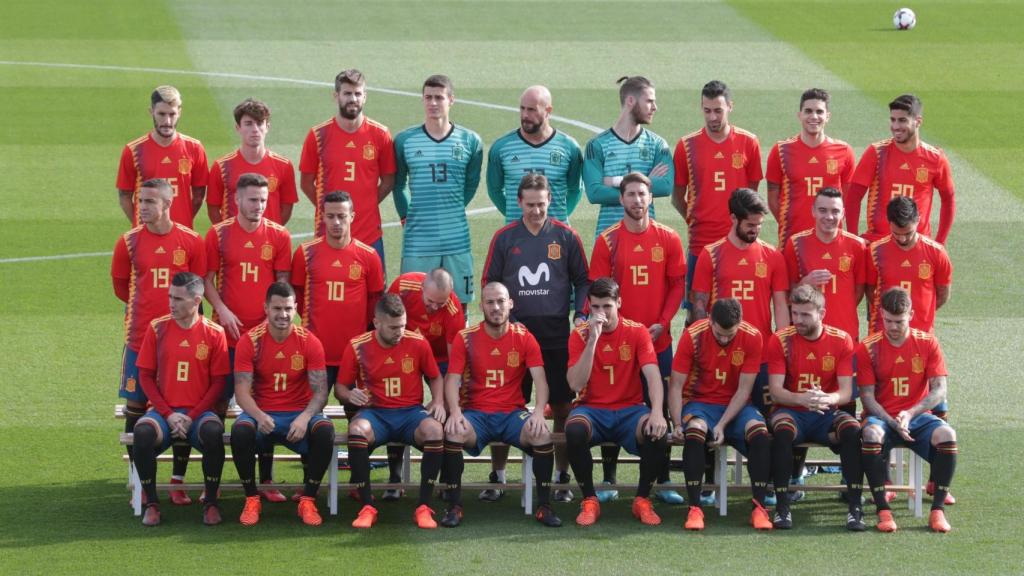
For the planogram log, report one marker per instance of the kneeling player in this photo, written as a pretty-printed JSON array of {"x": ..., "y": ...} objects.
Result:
[
  {"x": 382, "y": 373},
  {"x": 902, "y": 376},
  {"x": 281, "y": 385},
  {"x": 485, "y": 375},
  {"x": 607, "y": 355},
  {"x": 183, "y": 363},
  {"x": 810, "y": 374},
  {"x": 713, "y": 372}
]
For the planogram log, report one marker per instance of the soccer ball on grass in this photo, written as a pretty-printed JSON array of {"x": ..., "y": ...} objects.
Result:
[{"x": 904, "y": 19}]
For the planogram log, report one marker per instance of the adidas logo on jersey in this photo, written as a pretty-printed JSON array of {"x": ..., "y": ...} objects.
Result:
[
  {"x": 607, "y": 348},
  {"x": 160, "y": 250},
  {"x": 742, "y": 262},
  {"x": 811, "y": 356},
  {"x": 719, "y": 156},
  {"x": 827, "y": 256},
  {"x": 906, "y": 264},
  {"x": 495, "y": 352},
  {"x": 389, "y": 360},
  {"x": 515, "y": 158},
  {"x": 336, "y": 264},
  {"x": 899, "y": 360},
  {"x": 418, "y": 153},
  {"x": 813, "y": 160},
  {"x": 249, "y": 244},
  {"x": 184, "y": 344},
  {"x": 279, "y": 355},
  {"x": 721, "y": 353},
  {"x": 610, "y": 155},
  {"x": 166, "y": 160},
  {"x": 350, "y": 144},
  {"x": 905, "y": 166},
  {"x": 638, "y": 248}
]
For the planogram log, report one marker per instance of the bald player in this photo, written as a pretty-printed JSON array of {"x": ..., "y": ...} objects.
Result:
[{"x": 535, "y": 147}]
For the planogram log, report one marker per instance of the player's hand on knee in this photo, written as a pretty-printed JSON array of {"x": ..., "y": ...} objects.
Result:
[
  {"x": 456, "y": 425},
  {"x": 717, "y": 437},
  {"x": 297, "y": 431},
  {"x": 265, "y": 423},
  {"x": 535, "y": 424},
  {"x": 656, "y": 426},
  {"x": 358, "y": 397},
  {"x": 436, "y": 410}
]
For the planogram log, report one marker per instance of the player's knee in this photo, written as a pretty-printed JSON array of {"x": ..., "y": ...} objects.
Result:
[
  {"x": 322, "y": 433},
  {"x": 211, "y": 432},
  {"x": 873, "y": 434},
  {"x": 577, "y": 432},
  {"x": 697, "y": 424},
  {"x": 943, "y": 434},
  {"x": 360, "y": 427},
  {"x": 782, "y": 425},
  {"x": 243, "y": 433},
  {"x": 848, "y": 429},
  {"x": 756, "y": 434},
  {"x": 543, "y": 436},
  {"x": 431, "y": 430},
  {"x": 146, "y": 433}
]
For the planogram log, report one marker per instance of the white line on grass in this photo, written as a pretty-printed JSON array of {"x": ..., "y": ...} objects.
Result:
[{"x": 475, "y": 211}]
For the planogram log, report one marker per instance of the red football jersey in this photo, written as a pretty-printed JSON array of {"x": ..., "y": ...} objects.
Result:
[
  {"x": 808, "y": 364},
  {"x": 750, "y": 275},
  {"x": 149, "y": 261},
  {"x": 280, "y": 370},
  {"x": 712, "y": 370},
  {"x": 919, "y": 270},
  {"x": 492, "y": 369},
  {"x": 846, "y": 258},
  {"x": 353, "y": 163},
  {"x": 392, "y": 377},
  {"x": 246, "y": 263},
  {"x": 900, "y": 375},
  {"x": 277, "y": 169},
  {"x": 184, "y": 360},
  {"x": 182, "y": 163},
  {"x": 800, "y": 171},
  {"x": 335, "y": 286},
  {"x": 887, "y": 172},
  {"x": 711, "y": 171},
  {"x": 647, "y": 267},
  {"x": 615, "y": 376},
  {"x": 439, "y": 328}
]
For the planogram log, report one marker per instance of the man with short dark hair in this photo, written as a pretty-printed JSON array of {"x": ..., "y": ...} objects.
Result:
[
  {"x": 607, "y": 356},
  {"x": 182, "y": 366},
  {"x": 281, "y": 386},
  {"x": 902, "y": 377},
  {"x": 382, "y": 373},
  {"x": 903, "y": 165}
]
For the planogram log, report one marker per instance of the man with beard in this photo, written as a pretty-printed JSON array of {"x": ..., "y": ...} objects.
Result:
[
  {"x": 709, "y": 164},
  {"x": 647, "y": 260},
  {"x": 627, "y": 147},
  {"x": 810, "y": 374},
  {"x": 252, "y": 122},
  {"x": 487, "y": 366},
  {"x": 164, "y": 153},
  {"x": 750, "y": 270},
  {"x": 535, "y": 147},
  {"x": 350, "y": 152},
  {"x": 903, "y": 165}
]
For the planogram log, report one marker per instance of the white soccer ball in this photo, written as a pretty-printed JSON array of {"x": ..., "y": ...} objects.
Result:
[{"x": 904, "y": 19}]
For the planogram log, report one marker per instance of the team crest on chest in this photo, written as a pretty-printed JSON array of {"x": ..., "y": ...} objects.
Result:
[
  {"x": 625, "y": 352},
  {"x": 832, "y": 166},
  {"x": 298, "y": 362},
  {"x": 844, "y": 263},
  {"x": 828, "y": 363},
  {"x": 917, "y": 364},
  {"x": 408, "y": 365},
  {"x": 179, "y": 257},
  {"x": 272, "y": 183},
  {"x": 657, "y": 254},
  {"x": 267, "y": 252},
  {"x": 202, "y": 351},
  {"x": 554, "y": 251},
  {"x": 924, "y": 270},
  {"x": 184, "y": 165},
  {"x": 458, "y": 152},
  {"x": 555, "y": 158},
  {"x": 435, "y": 329},
  {"x": 355, "y": 271},
  {"x": 513, "y": 359},
  {"x": 921, "y": 174},
  {"x": 645, "y": 154},
  {"x": 369, "y": 152},
  {"x": 761, "y": 269},
  {"x": 737, "y": 358},
  {"x": 738, "y": 160}
]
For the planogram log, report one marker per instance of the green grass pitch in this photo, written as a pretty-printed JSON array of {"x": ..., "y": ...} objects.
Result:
[{"x": 63, "y": 507}]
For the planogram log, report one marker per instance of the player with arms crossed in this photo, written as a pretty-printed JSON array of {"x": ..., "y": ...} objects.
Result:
[
  {"x": 440, "y": 161},
  {"x": 800, "y": 166},
  {"x": 281, "y": 385},
  {"x": 647, "y": 260},
  {"x": 483, "y": 389},
  {"x": 713, "y": 373},
  {"x": 902, "y": 376},
  {"x": 382, "y": 373},
  {"x": 709, "y": 164},
  {"x": 627, "y": 147},
  {"x": 810, "y": 374},
  {"x": 182, "y": 366},
  {"x": 145, "y": 259},
  {"x": 535, "y": 147},
  {"x": 607, "y": 356},
  {"x": 164, "y": 153},
  {"x": 903, "y": 165},
  {"x": 543, "y": 263},
  {"x": 252, "y": 122},
  {"x": 353, "y": 153}
]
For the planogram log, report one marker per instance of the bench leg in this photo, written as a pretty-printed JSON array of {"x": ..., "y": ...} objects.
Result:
[
  {"x": 897, "y": 457},
  {"x": 332, "y": 483},
  {"x": 136, "y": 484},
  {"x": 407, "y": 466},
  {"x": 528, "y": 484},
  {"x": 722, "y": 455},
  {"x": 917, "y": 477}
]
